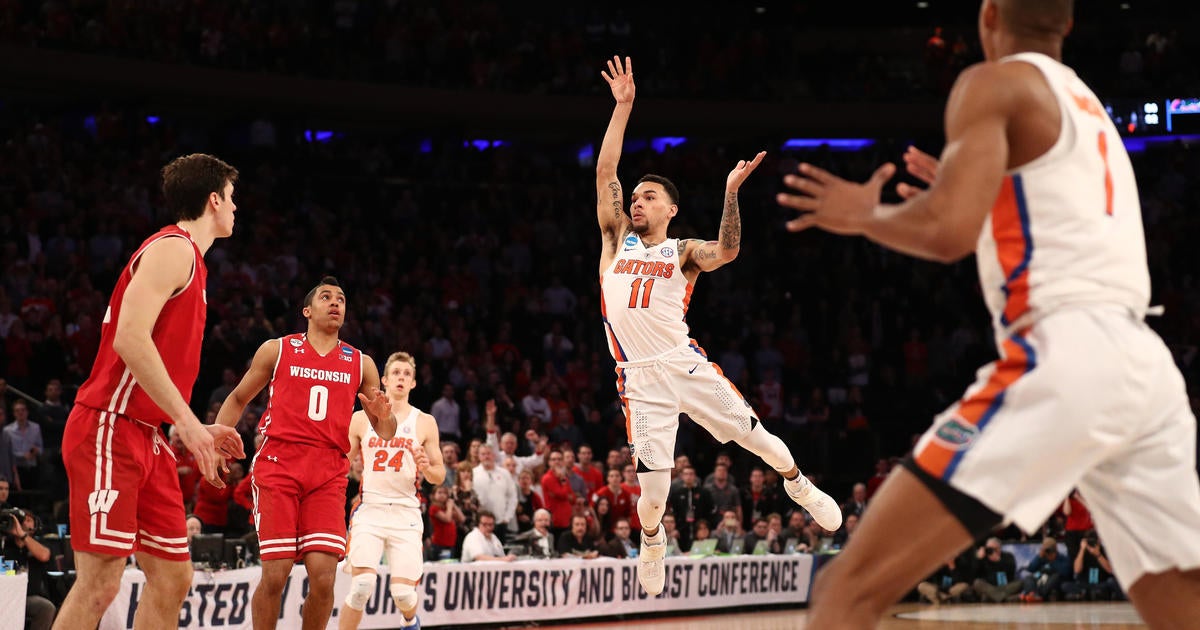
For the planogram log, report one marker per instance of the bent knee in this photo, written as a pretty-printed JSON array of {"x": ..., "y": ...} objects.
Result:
[
  {"x": 271, "y": 584},
  {"x": 176, "y": 584},
  {"x": 322, "y": 580},
  {"x": 98, "y": 595}
]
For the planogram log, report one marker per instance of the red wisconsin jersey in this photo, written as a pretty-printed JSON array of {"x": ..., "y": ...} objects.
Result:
[
  {"x": 312, "y": 396},
  {"x": 177, "y": 334}
]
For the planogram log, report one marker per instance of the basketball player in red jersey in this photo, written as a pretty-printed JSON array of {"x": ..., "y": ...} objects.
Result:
[
  {"x": 299, "y": 473},
  {"x": 124, "y": 490},
  {"x": 1035, "y": 180}
]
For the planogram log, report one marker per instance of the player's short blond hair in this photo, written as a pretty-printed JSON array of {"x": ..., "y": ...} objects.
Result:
[{"x": 399, "y": 356}]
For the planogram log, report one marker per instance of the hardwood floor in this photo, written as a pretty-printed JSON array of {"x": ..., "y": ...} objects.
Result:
[{"x": 1107, "y": 616}]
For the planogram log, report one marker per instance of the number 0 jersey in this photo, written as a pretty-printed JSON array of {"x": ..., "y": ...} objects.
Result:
[
  {"x": 389, "y": 472},
  {"x": 644, "y": 299},
  {"x": 312, "y": 396},
  {"x": 1067, "y": 227}
]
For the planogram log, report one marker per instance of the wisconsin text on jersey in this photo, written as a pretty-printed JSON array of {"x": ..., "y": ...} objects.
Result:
[{"x": 320, "y": 375}]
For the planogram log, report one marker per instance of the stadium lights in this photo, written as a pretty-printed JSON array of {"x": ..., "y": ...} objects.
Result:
[{"x": 834, "y": 144}]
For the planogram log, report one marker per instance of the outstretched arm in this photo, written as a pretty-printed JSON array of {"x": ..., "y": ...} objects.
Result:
[
  {"x": 609, "y": 198},
  {"x": 707, "y": 256},
  {"x": 943, "y": 223}
]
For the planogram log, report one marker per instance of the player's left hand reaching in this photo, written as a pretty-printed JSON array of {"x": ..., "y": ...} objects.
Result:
[
  {"x": 832, "y": 203},
  {"x": 376, "y": 405},
  {"x": 620, "y": 79},
  {"x": 743, "y": 169}
]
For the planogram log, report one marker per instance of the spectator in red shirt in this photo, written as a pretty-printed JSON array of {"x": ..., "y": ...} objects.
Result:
[
  {"x": 212, "y": 503},
  {"x": 620, "y": 502},
  {"x": 557, "y": 494},
  {"x": 444, "y": 518},
  {"x": 589, "y": 470}
]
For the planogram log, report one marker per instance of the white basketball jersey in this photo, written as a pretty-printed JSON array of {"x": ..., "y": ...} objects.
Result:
[
  {"x": 644, "y": 300},
  {"x": 1067, "y": 227},
  {"x": 389, "y": 472}
]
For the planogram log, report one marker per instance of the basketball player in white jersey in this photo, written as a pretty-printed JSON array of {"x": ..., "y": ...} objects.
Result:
[
  {"x": 1035, "y": 180},
  {"x": 389, "y": 516},
  {"x": 646, "y": 283}
]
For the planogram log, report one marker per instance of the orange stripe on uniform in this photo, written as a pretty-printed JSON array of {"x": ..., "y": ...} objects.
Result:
[
  {"x": 624, "y": 404},
  {"x": 721, "y": 373},
  {"x": 614, "y": 346},
  {"x": 1014, "y": 246},
  {"x": 687, "y": 298},
  {"x": 941, "y": 455}
]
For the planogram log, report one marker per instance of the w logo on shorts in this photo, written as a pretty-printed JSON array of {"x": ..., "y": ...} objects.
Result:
[{"x": 101, "y": 501}]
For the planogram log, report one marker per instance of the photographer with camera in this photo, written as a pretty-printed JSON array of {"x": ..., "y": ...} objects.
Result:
[
  {"x": 18, "y": 544},
  {"x": 1094, "y": 579},
  {"x": 995, "y": 573},
  {"x": 1047, "y": 571}
]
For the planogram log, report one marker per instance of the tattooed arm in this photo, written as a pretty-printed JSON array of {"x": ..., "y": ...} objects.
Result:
[
  {"x": 610, "y": 210},
  {"x": 707, "y": 256}
]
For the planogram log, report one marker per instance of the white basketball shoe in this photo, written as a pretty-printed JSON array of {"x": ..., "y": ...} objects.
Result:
[
  {"x": 823, "y": 508},
  {"x": 650, "y": 570}
]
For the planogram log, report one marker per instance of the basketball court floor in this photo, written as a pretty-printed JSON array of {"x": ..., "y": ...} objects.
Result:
[{"x": 1061, "y": 616}]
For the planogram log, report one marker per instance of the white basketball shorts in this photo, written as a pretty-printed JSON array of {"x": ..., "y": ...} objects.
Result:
[
  {"x": 655, "y": 391},
  {"x": 1086, "y": 397},
  {"x": 396, "y": 529}
]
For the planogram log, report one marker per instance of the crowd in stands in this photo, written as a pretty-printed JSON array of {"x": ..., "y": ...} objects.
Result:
[
  {"x": 778, "y": 51},
  {"x": 482, "y": 264}
]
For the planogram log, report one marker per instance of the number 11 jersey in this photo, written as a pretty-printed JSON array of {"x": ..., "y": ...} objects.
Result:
[
  {"x": 644, "y": 298},
  {"x": 312, "y": 396}
]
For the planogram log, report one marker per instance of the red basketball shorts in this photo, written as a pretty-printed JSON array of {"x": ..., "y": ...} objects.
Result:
[
  {"x": 124, "y": 488},
  {"x": 299, "y": 500}
]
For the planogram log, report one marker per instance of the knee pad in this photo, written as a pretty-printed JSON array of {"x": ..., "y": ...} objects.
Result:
[
  {"x": 362, "y": 586},
  {"x": 405, "y": 595}
]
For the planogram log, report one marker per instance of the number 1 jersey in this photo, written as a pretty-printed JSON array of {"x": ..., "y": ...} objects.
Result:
[
  {"x": 312, "y": 396},
  {"x": 644, "y": 299}
]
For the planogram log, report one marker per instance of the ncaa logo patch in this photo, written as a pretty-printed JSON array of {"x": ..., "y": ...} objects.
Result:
[
  {"x": 296, "y": 343},
  {"x": 956, "y": 433},
  {"x": 631, "y": 240},
  {"x": 667, "y": 252},
  {"x": 407, "y": 429},
  {"x": 347, "y": 350}
]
